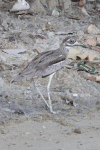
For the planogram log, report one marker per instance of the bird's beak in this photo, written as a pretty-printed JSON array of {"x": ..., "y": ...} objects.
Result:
[
  {"x": 79, "y": 44},
  {"x": 85, "y": 46}
]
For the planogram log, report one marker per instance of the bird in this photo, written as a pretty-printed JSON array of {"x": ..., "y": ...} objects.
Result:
[{"x": 47, "y": 63}]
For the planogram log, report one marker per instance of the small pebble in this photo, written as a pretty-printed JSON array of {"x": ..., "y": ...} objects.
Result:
[
  {"x": 75, "y": 94},
  {"x": 78, "y": 131},
  {"x": 39, "y": 31}
]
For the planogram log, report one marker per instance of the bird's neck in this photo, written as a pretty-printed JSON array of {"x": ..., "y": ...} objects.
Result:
[
  {"x": 64, "y": 50},
  {"x": 68, "y": 47},
  {"x": 62, "y": 46}
]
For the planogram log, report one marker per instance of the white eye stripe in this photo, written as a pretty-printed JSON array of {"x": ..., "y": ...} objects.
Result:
[
  {"x": 75, "y": 43},
  {"x": 71, "y": 40},
  {"x": 60, "y": 55}
]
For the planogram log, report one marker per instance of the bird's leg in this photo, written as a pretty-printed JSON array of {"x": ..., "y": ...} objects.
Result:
[
  {"x": 48, "y": 86},
  {"x": 41, "y": 95}
]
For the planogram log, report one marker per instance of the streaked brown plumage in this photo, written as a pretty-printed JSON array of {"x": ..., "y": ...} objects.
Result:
[
  {"x": 44, "y": 64},
  {"x": 47, "y": 63}
]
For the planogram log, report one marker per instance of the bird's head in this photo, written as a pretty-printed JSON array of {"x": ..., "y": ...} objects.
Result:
[{"x": 72, "y": 41}]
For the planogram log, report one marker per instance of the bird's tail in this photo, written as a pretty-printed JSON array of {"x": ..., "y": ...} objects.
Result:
[{"x": 17, "y": 78}]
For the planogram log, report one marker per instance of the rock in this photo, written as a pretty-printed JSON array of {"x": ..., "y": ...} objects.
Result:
[
  {"x": 37, "y": 41},
  {"x": 83, "y": 10},
  {"x": 78, "y": 131},
  {"x": 91, "y": 41},
  {"x": 37, "y": 7},
  {"x": 50, "y": 34},
  {"x": 20, "y": 5},
  {"x": 92, "y": 29},
  {"x": 39, "y": 31},
  {"x": 55, "y": 13},
  {"x": 13, "y": 51}
]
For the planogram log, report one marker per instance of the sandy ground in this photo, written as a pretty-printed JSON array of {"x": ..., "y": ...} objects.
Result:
[{"x": 76, "y": 131}]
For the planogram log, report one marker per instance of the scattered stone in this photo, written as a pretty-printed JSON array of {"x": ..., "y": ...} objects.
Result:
[
  {"x": 14, "y": 51},
  {"x": 20, "y": 5},
  {"x": 75, "y": 94},
  {"x": 50, "y": 34},
  {"x": 87, "y": 56},
  {"x": 92, "y": 78},
  {"x": 92, "y": 41},
  {"x": 55, "y": 13},
  {"x": 78, "y": 131},
  {"x": 84, "y": 11},
  {"x": 92, "y": 29},
  {"x": 39, "y": 31},
  {"x": 28, "y": 88}
]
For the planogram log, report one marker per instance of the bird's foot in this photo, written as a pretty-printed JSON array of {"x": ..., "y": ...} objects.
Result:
[{"x": 55, "y": 112}]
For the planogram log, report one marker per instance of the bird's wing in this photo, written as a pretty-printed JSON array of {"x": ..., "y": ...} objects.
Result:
[
  {"x": 37, "y": 61},
  {"x": 40, "y": 63},
  {"x": 43, "y": 64},
  {"x": 53, "y": 66}
]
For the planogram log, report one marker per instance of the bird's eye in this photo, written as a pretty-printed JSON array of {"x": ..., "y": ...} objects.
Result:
[{"x": 71, "y": 41}]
